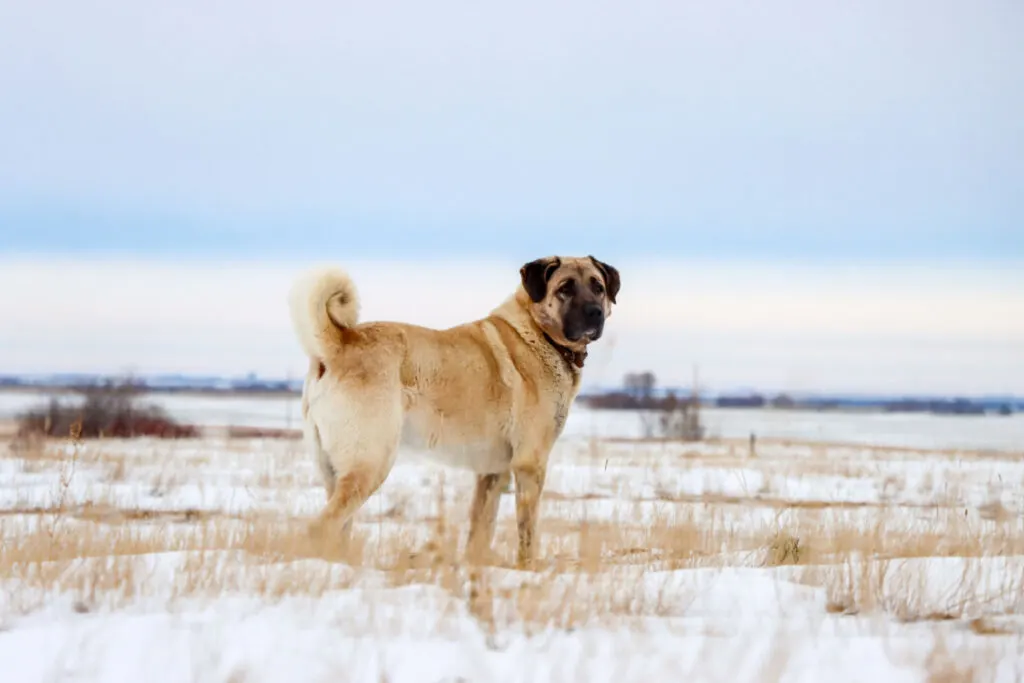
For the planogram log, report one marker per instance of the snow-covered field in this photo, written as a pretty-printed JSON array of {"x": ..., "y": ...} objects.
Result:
[
  {"x": 852, "y": 547},
  {"x": 904, "y": 430}
]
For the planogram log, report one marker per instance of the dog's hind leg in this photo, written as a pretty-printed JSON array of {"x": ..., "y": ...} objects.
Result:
[
  {"x": 484, "y": 513},
  {"x": 322, "y": 458},
  {"x": 330, "y": 480},
  {"x": 351, "y": 490},
  {"x": 357, "y": 447},
  {"x": 327, "y": 472}
]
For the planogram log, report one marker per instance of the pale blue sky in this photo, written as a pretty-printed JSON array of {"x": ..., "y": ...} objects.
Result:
[
  {"x": 866, "y": 130},
  {"x": 833, "y": 192}
]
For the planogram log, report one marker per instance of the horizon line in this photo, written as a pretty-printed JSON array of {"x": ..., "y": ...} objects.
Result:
[{"x": 738, "y": 391}]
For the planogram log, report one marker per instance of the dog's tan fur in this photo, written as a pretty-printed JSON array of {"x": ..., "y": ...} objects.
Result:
[{"x": 490, "y": 395}]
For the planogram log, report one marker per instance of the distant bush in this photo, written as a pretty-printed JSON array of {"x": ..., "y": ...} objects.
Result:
[
  {"x": 107, "y": 410},
  {"x": 662, "y": 417},
  {"x": 675, "y": 418}
]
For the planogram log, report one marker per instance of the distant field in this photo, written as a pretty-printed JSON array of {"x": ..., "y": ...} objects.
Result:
[
  {"x": 898, "y": 430},
  {"x": 823, "y": 554}
]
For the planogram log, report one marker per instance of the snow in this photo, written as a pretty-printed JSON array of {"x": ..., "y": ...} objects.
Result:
[
  {"x": 698, "y": 604},
  {"x": 739, "y": 626}
]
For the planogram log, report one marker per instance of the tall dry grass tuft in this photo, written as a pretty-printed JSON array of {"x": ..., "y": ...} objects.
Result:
[{"x": 784, "y": 549}]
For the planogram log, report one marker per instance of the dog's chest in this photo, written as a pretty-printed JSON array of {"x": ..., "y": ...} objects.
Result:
[{"x": 561, "y": 415}]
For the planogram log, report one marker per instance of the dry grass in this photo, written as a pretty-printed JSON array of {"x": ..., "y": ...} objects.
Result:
[
  {"x": 910, "y": 591},
  {"x": 785, "y": 549},
  {"x": 874, "y": 451},
  {"x": 609, "y": 569}
]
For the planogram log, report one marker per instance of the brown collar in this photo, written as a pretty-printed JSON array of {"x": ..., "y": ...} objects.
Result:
[{"x": 571, "y": 357}]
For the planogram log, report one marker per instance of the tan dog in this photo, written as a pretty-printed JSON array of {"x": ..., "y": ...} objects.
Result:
[{"x": 491, "y": 395}]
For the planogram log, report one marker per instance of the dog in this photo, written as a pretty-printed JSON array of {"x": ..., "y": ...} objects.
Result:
[{"x": 491, "y": 395}]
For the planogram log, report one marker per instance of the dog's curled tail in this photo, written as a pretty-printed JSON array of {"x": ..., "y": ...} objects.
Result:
[{"x": 323, "y": 301}]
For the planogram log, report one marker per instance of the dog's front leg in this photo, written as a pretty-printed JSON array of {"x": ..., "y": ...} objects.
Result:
[
  {"x": 483, "y": 515},
  {"x": 529, "y": 479}
]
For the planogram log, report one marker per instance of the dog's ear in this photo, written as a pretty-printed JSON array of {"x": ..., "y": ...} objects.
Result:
[
  {"x": 536, "y": 275},
  {"x": 611, "y": 278}
]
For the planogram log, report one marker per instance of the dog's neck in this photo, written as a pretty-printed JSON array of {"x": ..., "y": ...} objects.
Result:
[
  {"x": 573, "y": 358},
  {"x": 515, "y": 312}
]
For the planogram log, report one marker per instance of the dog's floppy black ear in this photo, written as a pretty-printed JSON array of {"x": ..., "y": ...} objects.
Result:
[
  {"x": 611, "y": 278},
  {"x": 536, "y": 274}
]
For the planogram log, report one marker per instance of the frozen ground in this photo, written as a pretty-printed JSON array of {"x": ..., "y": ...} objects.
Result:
[{"x": 817, "y": 555}]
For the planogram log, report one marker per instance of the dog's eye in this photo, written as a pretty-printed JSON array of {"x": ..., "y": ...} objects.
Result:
[
  {"x": 597, "y": 287},
  {"x": 568, "y": 288}
]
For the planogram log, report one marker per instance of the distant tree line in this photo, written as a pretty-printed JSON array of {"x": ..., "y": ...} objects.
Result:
[{"x": 639, "y": 392}]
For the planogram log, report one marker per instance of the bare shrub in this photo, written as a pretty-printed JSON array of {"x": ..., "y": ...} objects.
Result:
[
  {"x": 679, "y": 419},
  {"x": 674, "y": 418},
  {"x": 111, "y": 409}
]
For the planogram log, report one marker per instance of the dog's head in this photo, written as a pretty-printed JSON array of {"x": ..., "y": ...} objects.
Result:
[{"x": 570, "y": 297}]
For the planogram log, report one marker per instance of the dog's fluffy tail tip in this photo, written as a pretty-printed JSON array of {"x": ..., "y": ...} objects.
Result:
[{"x": 321, "y": 301}]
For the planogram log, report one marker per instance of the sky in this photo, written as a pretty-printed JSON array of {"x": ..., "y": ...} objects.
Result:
[
  {"x": 864, "y": 329},
  {"x": 757, "y": 170}
]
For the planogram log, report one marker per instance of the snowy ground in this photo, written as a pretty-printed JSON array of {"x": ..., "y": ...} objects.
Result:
[{"x": 818, "y": 554}]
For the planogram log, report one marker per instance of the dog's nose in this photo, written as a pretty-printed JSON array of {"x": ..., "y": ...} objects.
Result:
[{"x": 593, "y": 313}]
